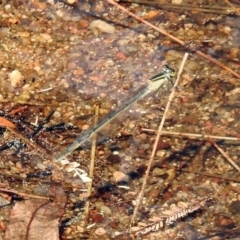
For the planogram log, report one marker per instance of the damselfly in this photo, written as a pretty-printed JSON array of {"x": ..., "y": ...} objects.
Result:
[{"x": 153, "y": 84}]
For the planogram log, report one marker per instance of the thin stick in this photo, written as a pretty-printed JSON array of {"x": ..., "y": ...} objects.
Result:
[
  {"x": 25, "y": 195},
  {"x": 174, "y": 38},
  {"x": 91, "y": 167},
  {"x": 212, "y": 175},
  {"x": 192, "y": 135},
  {"x": 29, "y": 142},
  {"x": 232, "y": 6},
  {"x": 171, "y": 7},
  {"x": 226, "y": 156},
  {"x": 140, "y": 196}
]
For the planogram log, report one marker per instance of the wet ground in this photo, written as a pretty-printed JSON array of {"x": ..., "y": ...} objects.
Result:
[{"x": 58, "y": 62}]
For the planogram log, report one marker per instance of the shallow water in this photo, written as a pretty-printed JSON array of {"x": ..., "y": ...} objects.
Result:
[{"x": 69, "y": 68}]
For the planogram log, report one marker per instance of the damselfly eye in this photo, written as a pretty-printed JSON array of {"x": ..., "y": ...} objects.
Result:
[
  {"x": 169, "y": 72},
  {"x": 166, "y": 73}
]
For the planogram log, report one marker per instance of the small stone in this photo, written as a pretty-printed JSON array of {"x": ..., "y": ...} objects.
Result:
[
  {"x": 114, "y": 158},
  {"x": 97, "y": 217},
  {"x": 131, "y": 125},
  {"x": 234, "y": 52},
  {"x": 160, "y": 153},
  {"x": 16, "y": 79},
  {"x": 71, "y": 1},
  {"x": 158, "y": 172},
  {"x": 83, "y": 23},
  {"x": 24, "y": 34},
  {"x": 114, "y": 224},
  {"x": 100, "y": 231},
  {"x": 176, "y": 1},
  {"x": 154, "y": 193},
  {"x": 105, "y": 210},
  {"x": 46, "y": 36},
  {"x": 71, "y": 65},
  {"x": 24, "y": 96},
  {"x": 132, "y": 48},
  {"x": 224, "y": 222},
  {"x": 234, "y": 207},
  {"x": 102, "y": 26},
  {"x": 121, "y": 56},
  {"x": 120, "y": 176},
  {"x": 56, "y": 114},
  {"x": 85, "y": 127}
]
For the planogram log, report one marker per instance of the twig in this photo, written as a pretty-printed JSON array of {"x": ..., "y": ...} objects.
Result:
[
  {"x": 225, "y": 155},
  {"x": 34, "y": 103},
  {"x": 174, "y": 38},
  {"x": 192, "y": 135},
  {"x": 91, "y": 167},
  {"x": 140, "y": 196},
  {"x": 232, "y": 6},
  {"x": 25, "y": 195},
  {"x": 41, "y": 124},
  {"x": 171, "y": 7},
  {"x": 211, "y": 175},
  {"x": 29, "y": 142}
]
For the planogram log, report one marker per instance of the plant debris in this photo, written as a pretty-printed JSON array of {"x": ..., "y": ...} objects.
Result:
[{"x": 62, "y": 60}]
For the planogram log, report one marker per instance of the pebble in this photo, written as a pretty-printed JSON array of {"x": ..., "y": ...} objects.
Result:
[
  {"x": 234, "y": 52},
  {"x": 97, "y": 217},
  {"x": 83, "y": 23},
  {"x": 71, "y": 65},
  {"x": 24, "y": 34},
  {"x": 24, "y": 96},
  {"x": 234, "y": 207},
  {"x": 224, "y": 222},
  {"x": 71, "y": 1},
  {"x": 161, "y": 153},
  {"x": 102, "y": 26},
  {"x": 16, "y": 79},
  {"x": 114, "y": 158},
  {"x": 105, "y": 210},
  {"x": 158, "y": 172},
  {"x": 100, "y": 231},
  {"x": 56, "y": 114},
  {"x": 132, "y": 47},
  {"x": 120, "y": 176}
]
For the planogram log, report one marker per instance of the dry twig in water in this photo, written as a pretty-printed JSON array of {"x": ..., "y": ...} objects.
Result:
[
  {"x": 226, "y": 156},
  {"x": 232, "y": 6},
  {"x": 140, "y": 196},
  {"x": 24, "y": 195},
  {"x": 184, "y": 7},
  {"x": 91, "y": 167},
  {"x": 192, "y": 135},
  {"x": 212, "y": 175},
  {"x": 175, "y": 39}
]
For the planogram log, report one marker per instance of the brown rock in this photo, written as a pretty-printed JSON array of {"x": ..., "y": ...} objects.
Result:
[
  {"x": 114, "y": 158},
  {"x": 224, "y": 222},
  {"x": 234, "y": 207}
]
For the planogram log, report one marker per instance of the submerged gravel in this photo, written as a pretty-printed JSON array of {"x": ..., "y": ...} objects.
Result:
[{"x": 70, "y": 58}]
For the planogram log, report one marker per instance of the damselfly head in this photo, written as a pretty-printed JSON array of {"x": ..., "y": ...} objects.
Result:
[{"x": 166, "y": 73}]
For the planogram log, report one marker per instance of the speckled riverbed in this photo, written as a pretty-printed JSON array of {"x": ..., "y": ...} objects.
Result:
[{"x": 57, "y": 57}]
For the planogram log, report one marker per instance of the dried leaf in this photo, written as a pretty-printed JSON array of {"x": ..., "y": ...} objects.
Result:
[
  {"x": 37, "y": 218},
  {"x": 6, "y": 123}
]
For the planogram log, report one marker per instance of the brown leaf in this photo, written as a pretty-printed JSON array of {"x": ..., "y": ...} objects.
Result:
[
  {"x": 37, "y": 218},
  {"x": 6, "y": 123}
]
